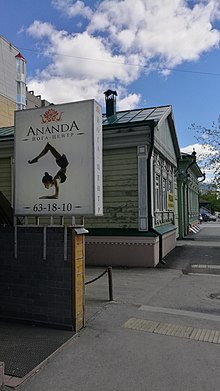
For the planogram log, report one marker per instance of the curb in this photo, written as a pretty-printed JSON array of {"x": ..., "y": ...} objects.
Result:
[{"x": 2, "y": 367}]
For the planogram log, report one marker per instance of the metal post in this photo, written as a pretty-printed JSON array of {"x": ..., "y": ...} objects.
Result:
[
  {"x": 110, "y": 283},
  {"x": 44, "y": 242},
  {"x": 73, "y": 221},
  {"x": 16, "y": 241},
  {"x": 65, "y": 243}
]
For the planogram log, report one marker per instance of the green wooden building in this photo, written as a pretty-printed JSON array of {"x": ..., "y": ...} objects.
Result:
[
  {"x": 139, "y": 225},
  {"x": 148, "y": 203},
  {"x": 188, "y": 194}
]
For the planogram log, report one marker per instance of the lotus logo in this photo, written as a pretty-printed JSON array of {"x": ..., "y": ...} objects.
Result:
[{"x": 51, "y": 115}]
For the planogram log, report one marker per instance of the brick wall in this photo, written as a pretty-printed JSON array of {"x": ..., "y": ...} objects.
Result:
[{"x": 33, "y": 289}]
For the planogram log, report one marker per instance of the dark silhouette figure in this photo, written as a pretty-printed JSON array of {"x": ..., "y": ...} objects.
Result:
[{"x": 60, "y": 176}]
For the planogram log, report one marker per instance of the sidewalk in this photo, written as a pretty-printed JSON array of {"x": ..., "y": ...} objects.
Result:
[{"x": 161, "y": 332}]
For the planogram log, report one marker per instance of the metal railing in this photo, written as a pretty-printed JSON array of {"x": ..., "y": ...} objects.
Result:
[{"x": 110, "y": 281}]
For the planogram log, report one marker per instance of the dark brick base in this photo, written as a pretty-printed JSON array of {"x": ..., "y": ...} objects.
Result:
[{"x": 33, "y": 289}]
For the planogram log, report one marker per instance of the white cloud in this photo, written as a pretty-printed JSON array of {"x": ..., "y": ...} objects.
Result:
[
  {"x": 119, "y": 42},
  {"x": 81, "y": 63},
  {"x": 202, "y": 153},
  {"x": 73, "y": 90},
  {"x": 173, "y": 32},
  {"x": 96, "y": 62},
  {"x": 83, "y": 56},
  {"x": 72, "y": 9},
  {"x": 76, "y": 90},
  {"x": 129, "y": 102},
  {"x": 40, "y": 30}
]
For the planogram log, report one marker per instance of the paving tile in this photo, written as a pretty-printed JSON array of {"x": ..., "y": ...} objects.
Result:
[{"x": 174, "y": 330}]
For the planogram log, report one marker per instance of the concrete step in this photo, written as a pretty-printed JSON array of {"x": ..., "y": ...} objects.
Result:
[{"x": 203, "y": 269}]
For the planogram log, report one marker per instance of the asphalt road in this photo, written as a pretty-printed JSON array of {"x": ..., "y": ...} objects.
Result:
[
  {"x": 202, "y": 248},
  {"x": 131, "y": 344}
]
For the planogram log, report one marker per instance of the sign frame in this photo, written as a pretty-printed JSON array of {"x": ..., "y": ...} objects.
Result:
[{"x": 65, "y": 142}]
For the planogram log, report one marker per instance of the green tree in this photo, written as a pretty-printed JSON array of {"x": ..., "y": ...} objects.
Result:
[
  {"x": 209, "y": 138},
  {"x": 213, "y": 198}
]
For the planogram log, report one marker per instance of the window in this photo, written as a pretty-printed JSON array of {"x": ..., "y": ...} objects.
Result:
[
  {"x": 20, "y": 107},
  {"x": 157, "y": 192},
  {"x": 20, "y": 66},
  {"x": 18, "y": 88},
  {"x": 164, "y": 192},
  {"x": 21, "y": 93},
  {"x": 170, "y": 187}
]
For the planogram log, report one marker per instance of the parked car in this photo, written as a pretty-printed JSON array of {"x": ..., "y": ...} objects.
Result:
[{"x": 208, "y": 217}]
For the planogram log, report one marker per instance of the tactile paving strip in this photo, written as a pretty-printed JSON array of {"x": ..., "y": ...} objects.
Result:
[{"x": 175, "y": 330}]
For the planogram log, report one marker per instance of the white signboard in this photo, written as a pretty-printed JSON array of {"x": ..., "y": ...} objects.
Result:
[{"x": 58, "y": 160}]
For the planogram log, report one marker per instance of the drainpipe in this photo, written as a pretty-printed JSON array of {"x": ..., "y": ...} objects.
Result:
[
  {"x": 203, "y": 179},
  {"x": 152, "y": 125}
]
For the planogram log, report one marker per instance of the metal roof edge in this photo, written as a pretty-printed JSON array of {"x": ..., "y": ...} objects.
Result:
[
  {"x": 195, "y": 166},
  {"x": 170, "y": 119},
  {"x": 7, "y": 133},
  {"x": 166, "y": 114},
  {"x": 116, "y": 123}
]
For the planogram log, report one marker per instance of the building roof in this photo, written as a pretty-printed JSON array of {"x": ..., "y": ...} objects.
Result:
[
  {"x": 189, "y": 160},
  {"x": 121, "y": 118},
  {"x": 7, "y": 133},
  {"x": 8, "y": 43},
  {"x": 136, "y": 116},
  {"x": 19, "y": 55}
]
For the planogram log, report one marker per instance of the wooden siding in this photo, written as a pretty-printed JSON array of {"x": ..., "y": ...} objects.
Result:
[
  {"x": 5, "y": 177},
  {"x": 164, "y": 142},
  {"x": 120, "y": 190}
]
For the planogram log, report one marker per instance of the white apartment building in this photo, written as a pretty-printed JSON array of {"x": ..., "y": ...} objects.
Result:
[
  {"x": 12, "y": 82},
  {"x": 14, "y": 94}
]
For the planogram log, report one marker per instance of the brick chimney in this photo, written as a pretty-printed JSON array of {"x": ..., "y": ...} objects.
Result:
[{"x": 110, "y": 101}]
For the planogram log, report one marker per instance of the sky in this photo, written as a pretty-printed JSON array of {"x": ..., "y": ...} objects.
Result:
[{"x": 152, "y": 52}]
